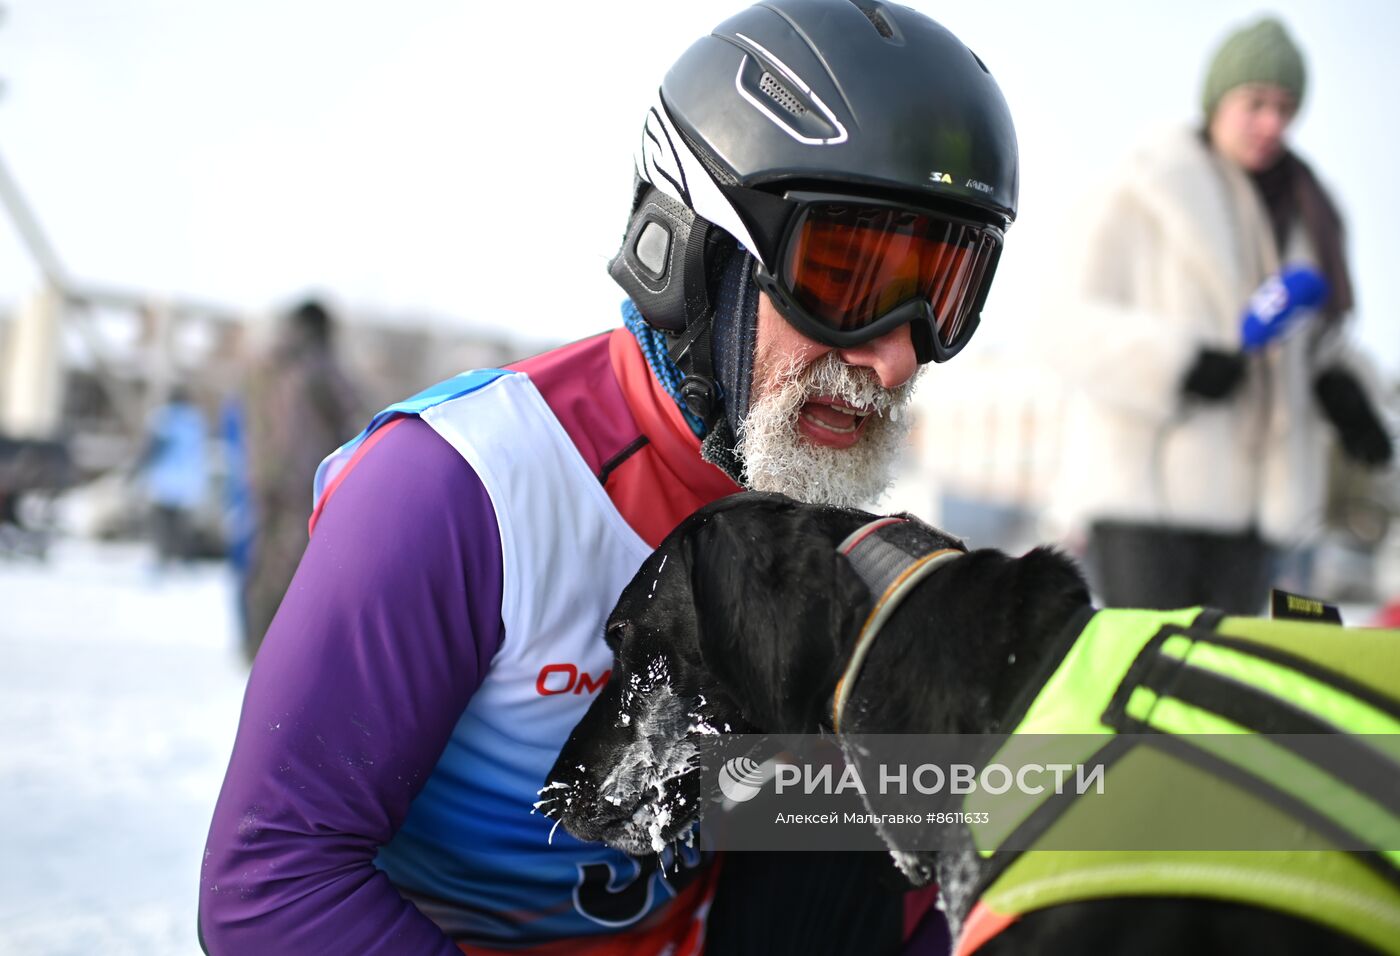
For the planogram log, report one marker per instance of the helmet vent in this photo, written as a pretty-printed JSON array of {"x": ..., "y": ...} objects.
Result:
[
  {"x": 876, "y": 16},
  {"x": 980, "y": 63},
  {"x": 780, "y": 94}
]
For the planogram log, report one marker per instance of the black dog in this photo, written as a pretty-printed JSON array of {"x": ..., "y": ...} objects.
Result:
[{"x": 744, "y": 621}]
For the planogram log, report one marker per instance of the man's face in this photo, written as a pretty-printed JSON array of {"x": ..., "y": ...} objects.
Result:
[
  {"x": 825, "y": 424},
  {"x": 1249, "y": 122}
]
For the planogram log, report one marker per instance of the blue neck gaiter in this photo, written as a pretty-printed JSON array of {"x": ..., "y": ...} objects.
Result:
[{"x": 733, "y": 333}]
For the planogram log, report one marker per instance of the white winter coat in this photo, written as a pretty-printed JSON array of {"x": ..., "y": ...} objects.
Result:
[{"x": 1172, "y": 252}]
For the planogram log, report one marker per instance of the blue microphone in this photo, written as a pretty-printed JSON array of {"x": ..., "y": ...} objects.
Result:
[{"x": 1277, "y": 302}]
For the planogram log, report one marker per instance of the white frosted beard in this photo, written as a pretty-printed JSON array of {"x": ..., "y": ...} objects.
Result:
[{"x": 778, "y": 458}]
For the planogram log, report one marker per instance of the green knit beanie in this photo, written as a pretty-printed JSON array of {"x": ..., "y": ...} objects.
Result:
[{"x": 1262, "y": 52}]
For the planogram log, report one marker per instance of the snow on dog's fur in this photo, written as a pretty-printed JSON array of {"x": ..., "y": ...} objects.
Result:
[
  {"x": 627, "y": 776},
  {"x": 743, "y": 621}
]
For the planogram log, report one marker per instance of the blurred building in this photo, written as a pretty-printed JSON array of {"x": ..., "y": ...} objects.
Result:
[
  {"x": 83, "y": 365},
  {"x": 80, "y": 371},
  {"x": 986, "y": 443}
]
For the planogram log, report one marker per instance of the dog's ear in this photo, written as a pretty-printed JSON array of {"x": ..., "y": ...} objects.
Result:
[
  {"x": 778, "y": 608},
  {"x": 963, "y": 647},
  {"x": 1050, "y": 589}
]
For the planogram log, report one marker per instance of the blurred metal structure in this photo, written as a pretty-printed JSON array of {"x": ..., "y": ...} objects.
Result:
[
  {"x": 127, "y": 346},
  {"x": 82, "y": 365},
  {"x": 29, "y": 371},
  {"x": 86, "y": 362}
]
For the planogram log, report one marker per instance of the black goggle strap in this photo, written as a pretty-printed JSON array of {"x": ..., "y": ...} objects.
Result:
[{"x": 891, "y": 555}]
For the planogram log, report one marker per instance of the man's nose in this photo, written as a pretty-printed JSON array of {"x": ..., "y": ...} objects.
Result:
[{"x": 891, "y": 356}]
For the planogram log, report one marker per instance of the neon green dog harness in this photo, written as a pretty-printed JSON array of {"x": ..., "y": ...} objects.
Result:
[{"x": 1161, "y": 699}]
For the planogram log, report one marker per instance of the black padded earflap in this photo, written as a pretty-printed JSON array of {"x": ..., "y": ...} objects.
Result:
[
  {"x": 650, "y": 266},
  {"x": 670, "y": 265}
]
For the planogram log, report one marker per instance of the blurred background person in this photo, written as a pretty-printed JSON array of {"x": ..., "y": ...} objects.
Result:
[
  {"x": 236, "y": 501},
  {"x": 175, "y": 471},
  {"x": 299, "y": 406},
  {"x": 1201, "y": 333}
]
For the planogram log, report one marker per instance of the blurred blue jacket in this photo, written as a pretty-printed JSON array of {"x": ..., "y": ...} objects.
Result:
[{"x": 177, "y": 470}]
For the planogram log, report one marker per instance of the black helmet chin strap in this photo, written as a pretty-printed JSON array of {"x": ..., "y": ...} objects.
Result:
[{"x": 692, "y": 350}]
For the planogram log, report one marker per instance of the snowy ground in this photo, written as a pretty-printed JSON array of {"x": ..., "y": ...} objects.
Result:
[{"x": 119, "y": 697}]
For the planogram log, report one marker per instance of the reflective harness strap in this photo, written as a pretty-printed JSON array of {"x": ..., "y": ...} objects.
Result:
[
  {"x": 1161, "y": 678},
  {"x": 1182, "y": 682},
  {"x": 891, "y": 562}
]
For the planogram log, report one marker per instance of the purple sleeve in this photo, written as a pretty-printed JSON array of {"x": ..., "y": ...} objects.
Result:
[{"x": 384, "y": 635}]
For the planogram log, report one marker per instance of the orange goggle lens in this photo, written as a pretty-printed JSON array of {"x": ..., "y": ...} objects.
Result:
[{"x": 848, "y": 266}]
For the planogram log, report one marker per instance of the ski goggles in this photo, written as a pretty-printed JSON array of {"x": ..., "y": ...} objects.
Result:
[{"x": 849, "y": 270}]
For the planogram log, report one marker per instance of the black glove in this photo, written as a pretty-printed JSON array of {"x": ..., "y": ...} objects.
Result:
[
  {"x": 1215, "y": 374},
  {"x": 1363, "y": 436}
]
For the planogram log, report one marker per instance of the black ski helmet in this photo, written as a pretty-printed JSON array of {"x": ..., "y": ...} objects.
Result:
[{"x": 857, "y": 96}]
